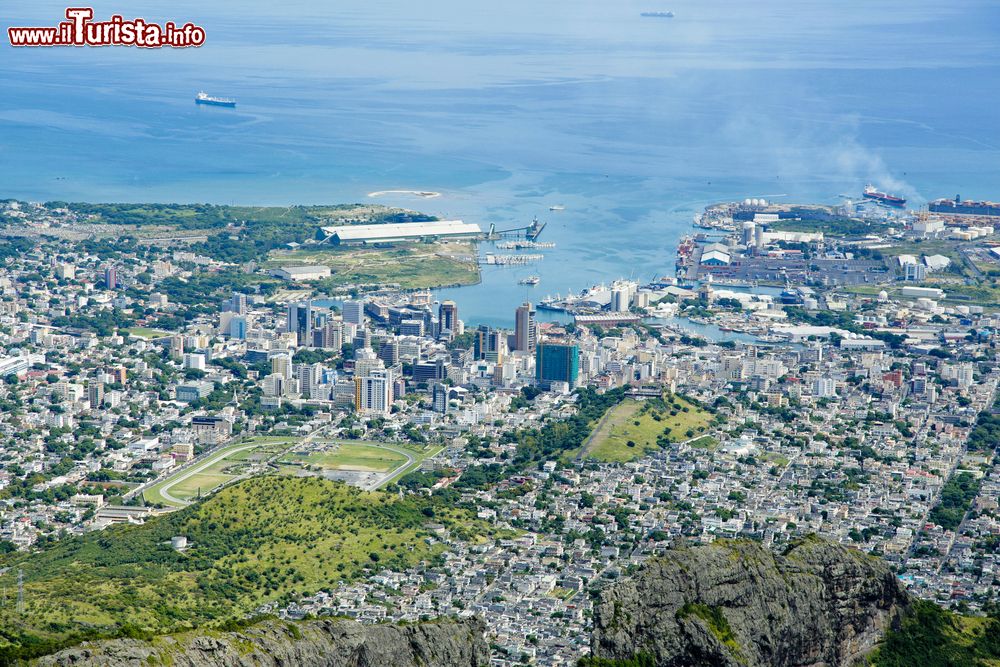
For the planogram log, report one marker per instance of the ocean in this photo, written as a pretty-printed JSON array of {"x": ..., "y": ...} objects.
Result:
[{"x": 632, "y": 124}]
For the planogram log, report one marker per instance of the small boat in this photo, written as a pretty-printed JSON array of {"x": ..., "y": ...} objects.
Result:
[
  {"x": 657, "y": 15},
  {"x": 557, "y": 207},
  {"x": 530, "y": 280}
]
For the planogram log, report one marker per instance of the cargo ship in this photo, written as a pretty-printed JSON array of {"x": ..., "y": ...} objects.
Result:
[
  {"x": 883, "y": 198},
  {"x": 205, "y": 98},
  {"x": 968, "y": 207},
  {"x": 657, "y": 15}
]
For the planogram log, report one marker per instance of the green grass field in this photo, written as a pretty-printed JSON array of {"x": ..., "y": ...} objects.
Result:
[
  {"x": 411, "y": 266},
  {"x": 705, "y": 442},
  {"x": 200, "y": 484},
  {"x": 351, "y": 456},
  {"x": 145, "y": 332},
  {"x": 631, "y": 430},
  {"x": 260, "y": 540},
  {"x": 216, "y": 469}
]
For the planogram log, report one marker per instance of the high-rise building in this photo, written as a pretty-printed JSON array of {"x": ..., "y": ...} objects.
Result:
[
  {"x": 411, "y": 327},
  {"x": 238, "y": 327},
  {"x": 110, "y": 277},
  {"x": 490, "y": 344},
  {"x": 300, "y": 321},
  {"x": 362, "y": 338},
  {"x": 177, "y": 347},
  {"x": 429, "y": 370},
  {"x": 373, "y": 392},
  {"x": 366, "y": 360},
  {"x": 824, "y": 387},
  {"x": 389, "y": 352},
  {"x": 309, "y": 376},
  {"x": 238, "y": 304},
  {"x": 525, "y": 328},
  {"x": 354, "y": 312},
  {"x": 194, "y": 361},
  {"x": 448, "y": 316},
  {"x": 274, "y": 384},
  {"x": 95, "y": 394},
  {"x": 557, "y": 362},
  {"x": 282, "y": 365},
  {"x": 331, "y": 335},
  {"x": 439, "y": 398}
]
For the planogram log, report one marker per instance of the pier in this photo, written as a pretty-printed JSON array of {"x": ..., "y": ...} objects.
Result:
[{"x": 529, "y": 233}]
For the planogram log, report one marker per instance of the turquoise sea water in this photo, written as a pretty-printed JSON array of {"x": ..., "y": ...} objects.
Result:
[{"x": 508, "y": 108}]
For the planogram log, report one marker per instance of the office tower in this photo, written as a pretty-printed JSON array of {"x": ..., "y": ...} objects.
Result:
[
  {"x": 362, "y": 338},
  {"x": 331, "y": 335},
  {"x": 95, "y": 394},
  {"x": 238, "y": 304},
  {"x": 110, "y": 277},
  {"x": 411, "y": 327},
  {"x": 274, "y": 384},
  {"x": 439, "y": 400},
  {"x": 309, "y": 376},
  {"x": 824, "y": 387},
  {"x": 914, "y": 272},
  {"x": 177, "y": 347},
  {"x": 490, "y": 344},
  {"x": 300, "y": 321},
  {"x": 373, "y": 392},
  {"x": 389, "y": 352},
  {"x": 354, "y": 312},
  {"x": 557, "y": 362},
  {"x": 525, "y": 328},
  {"x": 194, "y": 361},
  {"x": 366, "y": 360},
  {"x": 448, "y": 316},
  {"x": 282, "y": 365},
  {"x": 238, "y": 327},
  {"x": 429, "y": 370}
]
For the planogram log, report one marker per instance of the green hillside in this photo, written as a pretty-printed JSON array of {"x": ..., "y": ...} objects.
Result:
[
  {"x": 930, "y": 636},
  {"x": 262, "y": 540}
]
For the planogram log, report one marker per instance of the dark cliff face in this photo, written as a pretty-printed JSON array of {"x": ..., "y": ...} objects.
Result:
[
  {"x": 323, "y": 643},
  {"x": 735, "y": 603}
]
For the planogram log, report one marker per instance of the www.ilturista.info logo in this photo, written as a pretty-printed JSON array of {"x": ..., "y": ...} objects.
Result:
[{"x": 81, "y": 30}]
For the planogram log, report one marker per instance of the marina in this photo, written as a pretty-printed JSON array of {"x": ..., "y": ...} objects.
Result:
[{"x": 510, "y": 260}]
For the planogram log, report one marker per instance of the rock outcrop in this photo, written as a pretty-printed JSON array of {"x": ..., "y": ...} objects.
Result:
[
  {"x": 321, "y": 643},
  {"x": 736, "y": 604}
]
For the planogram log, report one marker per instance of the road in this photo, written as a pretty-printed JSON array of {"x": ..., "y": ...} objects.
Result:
[
  {"x": 199, "y": 465},
  {"x": 194, "y": 470},
  {"x": 387, "y": 477}
]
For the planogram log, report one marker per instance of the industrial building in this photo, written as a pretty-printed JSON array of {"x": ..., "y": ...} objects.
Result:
[
  {"x": 395, "y": 232},
  {"x": 298, "y": 273}
]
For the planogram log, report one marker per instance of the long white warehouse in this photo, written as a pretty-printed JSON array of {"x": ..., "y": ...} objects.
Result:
[{"x": 405, "y": 231}]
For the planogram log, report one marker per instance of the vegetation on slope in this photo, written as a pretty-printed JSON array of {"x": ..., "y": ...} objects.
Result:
[
  {"x": 634, "y": 429},
  {"x": 548, "y": 443},
  {"x": 930, "y": 636},
  {"x": 268, "y": 539},
  {"x": 239, "y": 233},
  {"x": 957, "y": 496}
]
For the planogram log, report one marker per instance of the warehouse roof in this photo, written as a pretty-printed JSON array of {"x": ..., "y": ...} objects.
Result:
[{"x": 402, "y": 230}]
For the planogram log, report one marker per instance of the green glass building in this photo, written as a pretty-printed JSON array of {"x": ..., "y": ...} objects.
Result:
[{"x": 557, "y": 362}]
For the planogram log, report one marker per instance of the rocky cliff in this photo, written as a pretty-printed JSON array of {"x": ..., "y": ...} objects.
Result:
[
  {"x": 322, "y": 643},
  {"x": 736, "y": 604}
]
